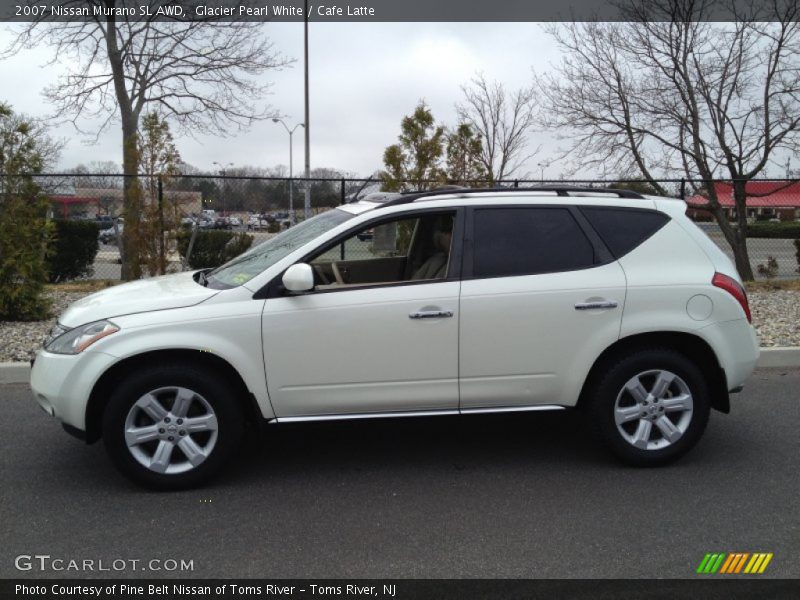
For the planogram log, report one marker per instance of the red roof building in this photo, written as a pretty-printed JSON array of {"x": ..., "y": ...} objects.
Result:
[{"x": 777, "y": 198}]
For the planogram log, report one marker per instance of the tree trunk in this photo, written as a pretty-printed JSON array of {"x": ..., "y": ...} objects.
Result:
[
  {"x": 132, "y": 205},
  {"x": 740, "y": 253},
  {"x": 131, "y": 209},
  {"x": 736, "y": 238}
]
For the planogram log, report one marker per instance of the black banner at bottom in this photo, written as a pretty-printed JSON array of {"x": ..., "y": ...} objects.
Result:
[{"x": 397, "y": 589}]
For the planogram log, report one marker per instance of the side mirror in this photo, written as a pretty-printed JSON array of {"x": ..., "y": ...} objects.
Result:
[{"x": 299, "y": 278}]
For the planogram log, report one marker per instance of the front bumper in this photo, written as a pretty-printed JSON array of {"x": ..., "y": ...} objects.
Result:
[{"x": 62, "y": 384}]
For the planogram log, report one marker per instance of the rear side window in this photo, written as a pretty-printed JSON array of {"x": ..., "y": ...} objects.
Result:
[
  {"x": 623, "y": 229},
  {"x": 527, "y": 241}
]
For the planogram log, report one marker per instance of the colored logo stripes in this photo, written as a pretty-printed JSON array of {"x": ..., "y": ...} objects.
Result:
[{"x": 734, "y": 562}]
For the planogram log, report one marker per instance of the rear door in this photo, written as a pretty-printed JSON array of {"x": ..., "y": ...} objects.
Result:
[{"x": 541, "y": 298}]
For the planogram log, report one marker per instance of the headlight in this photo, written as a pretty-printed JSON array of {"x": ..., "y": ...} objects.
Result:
[
  {"x": 57, "y": 331},
  {"x": 77, "y": 340}
]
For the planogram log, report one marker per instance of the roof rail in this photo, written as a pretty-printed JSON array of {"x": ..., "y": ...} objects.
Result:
[{"x": 560, "y": 190}]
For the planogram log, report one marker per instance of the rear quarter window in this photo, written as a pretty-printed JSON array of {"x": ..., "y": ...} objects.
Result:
[{"x": 623, "y": 229}]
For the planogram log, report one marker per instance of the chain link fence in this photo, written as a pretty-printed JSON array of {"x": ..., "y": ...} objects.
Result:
[{"x": 176, "y": 213}]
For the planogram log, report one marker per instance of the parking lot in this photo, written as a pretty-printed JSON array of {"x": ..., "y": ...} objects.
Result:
[{"x": 490, "y": 496}]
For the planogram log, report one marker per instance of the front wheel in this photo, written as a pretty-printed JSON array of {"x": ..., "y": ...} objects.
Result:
[
  {"x": 172, "y": 427},
  {"x": 650, "y": 407}
]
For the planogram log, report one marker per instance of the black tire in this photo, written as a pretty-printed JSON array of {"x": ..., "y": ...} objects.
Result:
[
  {"x": 603, "y": 398},
  {"x": 208, "y": 385}
]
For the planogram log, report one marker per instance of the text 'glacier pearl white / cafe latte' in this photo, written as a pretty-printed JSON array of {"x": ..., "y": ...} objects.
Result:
[{"x": 449, "y": 302}]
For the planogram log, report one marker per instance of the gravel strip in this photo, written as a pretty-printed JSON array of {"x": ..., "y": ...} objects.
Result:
[
  {"x": 20, "y": 339},
  {"x": 776, "y": 315}
]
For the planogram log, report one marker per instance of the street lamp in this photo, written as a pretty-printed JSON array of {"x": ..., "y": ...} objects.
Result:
[
  {"x": 222, "y": 172},
  {"x": 291, "y": 153},
  {"x": 542, "y": 166}
]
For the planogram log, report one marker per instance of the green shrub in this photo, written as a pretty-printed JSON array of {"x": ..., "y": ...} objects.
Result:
[
  {"x": 212, "y": 248},
  {"x": 273, "y": 227},
  {"x": 783, "y": 230},
  {"x": 24, "y": 234},
  {"x": 72, "y": 250}
]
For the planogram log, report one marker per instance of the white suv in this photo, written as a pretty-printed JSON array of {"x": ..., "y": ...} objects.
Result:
[{"x": 458, "y": 302}]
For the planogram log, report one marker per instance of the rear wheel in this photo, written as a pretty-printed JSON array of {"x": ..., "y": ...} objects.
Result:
[
  {"x": 172, "y": 427},
  {"x": 650, "y": 407}
]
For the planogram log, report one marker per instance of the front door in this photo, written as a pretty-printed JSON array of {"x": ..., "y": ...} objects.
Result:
[{"x": 387, "y": 343}]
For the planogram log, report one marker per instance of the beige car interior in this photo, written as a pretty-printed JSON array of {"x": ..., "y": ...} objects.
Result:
[{"x": 412, "y": 249}]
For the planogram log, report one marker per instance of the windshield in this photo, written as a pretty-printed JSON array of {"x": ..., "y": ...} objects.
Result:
[{"x": 246, "y": 266}]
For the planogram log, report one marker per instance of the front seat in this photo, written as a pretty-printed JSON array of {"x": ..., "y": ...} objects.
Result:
[{"x": 435, "y": 267}]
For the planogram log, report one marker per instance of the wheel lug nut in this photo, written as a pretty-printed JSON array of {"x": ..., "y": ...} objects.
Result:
[
  {"x": 160, "y": 430},
  {"x": 182, "y": 432},
  {"x": 180, "y": 421},
  {"x": 166, "y": 419},
  {"x": 170, "y": 438}
]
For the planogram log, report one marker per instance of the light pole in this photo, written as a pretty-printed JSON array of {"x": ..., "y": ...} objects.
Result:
[
  {"x": 306, "y": 118},
  {"x": 291, "y": 153},
  {"x": 222, "y": 172},
  {"x": 542, "y": 166}
]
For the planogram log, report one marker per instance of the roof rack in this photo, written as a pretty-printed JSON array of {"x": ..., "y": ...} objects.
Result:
[{"x": 560, "y": 190}]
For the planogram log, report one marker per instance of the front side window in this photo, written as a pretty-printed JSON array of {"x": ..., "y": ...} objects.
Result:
[
  {"x": 414, "y": 248},
  {"x": 527, "y": 241},
  {"x": 256, "y": 260}
]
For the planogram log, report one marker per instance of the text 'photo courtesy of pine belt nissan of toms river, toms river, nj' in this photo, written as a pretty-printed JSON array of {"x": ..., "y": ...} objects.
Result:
[{"x": 466, "y": 301}]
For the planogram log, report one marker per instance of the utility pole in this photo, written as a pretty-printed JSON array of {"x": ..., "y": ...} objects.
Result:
[{"x": 306, "y": 121}]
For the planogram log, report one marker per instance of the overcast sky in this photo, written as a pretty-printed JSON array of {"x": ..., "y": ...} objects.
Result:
[{"x": 364, "y": 79}]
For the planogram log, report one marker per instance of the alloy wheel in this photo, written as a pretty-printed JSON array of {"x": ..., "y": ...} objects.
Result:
[
  {"x": 171, "y": 430},
  {"x": 653, "y": 409}
]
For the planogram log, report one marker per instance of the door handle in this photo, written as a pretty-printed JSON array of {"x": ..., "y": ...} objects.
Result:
[
  {"x": 596, "y": 304},
  {"x": 431, "y": 314}
]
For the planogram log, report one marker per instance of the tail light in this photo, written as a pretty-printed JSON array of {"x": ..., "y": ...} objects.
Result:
[{"x": 734, "y": 288}]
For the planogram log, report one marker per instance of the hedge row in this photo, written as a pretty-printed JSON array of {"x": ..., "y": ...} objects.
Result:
[
  {"x": 783, "y": 230},
  {"x": 72, "y": 250},
  {"x": 212, "y": 248}
]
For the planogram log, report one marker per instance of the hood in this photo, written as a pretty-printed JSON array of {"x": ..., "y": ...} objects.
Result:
[{"x": 144, "y": 295}]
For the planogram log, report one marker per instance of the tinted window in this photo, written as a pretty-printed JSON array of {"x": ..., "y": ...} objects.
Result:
[
  {"x": 624, "y": 229},
  {"x": 525, "y": 241}
]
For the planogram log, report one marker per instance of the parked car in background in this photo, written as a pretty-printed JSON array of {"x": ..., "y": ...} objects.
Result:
[
  {"x": 235, "y": 222},
  {"x": 366, "y": 235},
  {"x": 474, "y": 301},
  {"x": 109, "y": 235}
]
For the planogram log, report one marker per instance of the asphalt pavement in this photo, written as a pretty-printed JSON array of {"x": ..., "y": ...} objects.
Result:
[{"x": 475, "y": 496}]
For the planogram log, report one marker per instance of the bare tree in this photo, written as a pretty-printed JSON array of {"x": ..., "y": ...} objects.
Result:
[
  {"x": 201, "y": 74},
  {"x": 667, "y": 92},
  {"x": 503, "y": 121}
]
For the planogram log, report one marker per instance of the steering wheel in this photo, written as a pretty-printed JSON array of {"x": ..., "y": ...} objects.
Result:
[{"x": 336, "y": 273}]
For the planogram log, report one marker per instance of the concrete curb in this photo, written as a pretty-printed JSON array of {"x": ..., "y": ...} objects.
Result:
[
  {"x": 779, "y": 357},
  {"x": 20, "y": 372},
  {"x": 14, "y": 372}
]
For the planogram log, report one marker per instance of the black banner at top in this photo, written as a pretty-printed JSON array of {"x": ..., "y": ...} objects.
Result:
[{"x": 373, "y": 11}]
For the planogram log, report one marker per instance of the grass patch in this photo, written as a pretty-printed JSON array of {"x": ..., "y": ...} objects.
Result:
[
  {"x": 774, "y": 285},
  {"x": 93, "y": 285}
]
